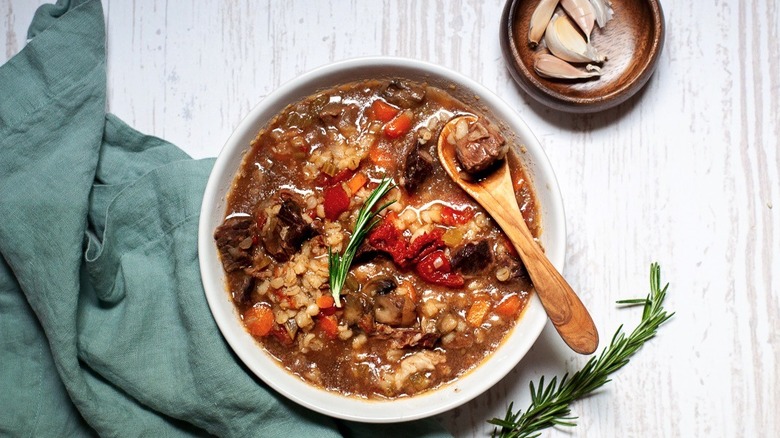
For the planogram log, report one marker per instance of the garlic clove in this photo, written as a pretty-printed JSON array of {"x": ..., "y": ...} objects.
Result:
[
  {"x": 565, "y": 42},
  {"x": 603, "y": 11},
  {"x": 539, "y": 19},
  {"x": 581, "y": 11},
  {"x": 549, "y": 66}
]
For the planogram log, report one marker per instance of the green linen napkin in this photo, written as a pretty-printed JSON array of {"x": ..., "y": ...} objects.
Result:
[{"x": 104, "y": 327}]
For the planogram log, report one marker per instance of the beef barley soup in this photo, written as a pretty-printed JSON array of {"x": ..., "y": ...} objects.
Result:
[{"x": 435, "y": 285}]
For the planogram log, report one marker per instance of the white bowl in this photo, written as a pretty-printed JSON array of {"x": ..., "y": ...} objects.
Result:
[{"x": 465, "y": 388}]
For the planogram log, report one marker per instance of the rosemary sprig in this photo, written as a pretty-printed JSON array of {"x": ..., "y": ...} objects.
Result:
[
  {"x": 338, "y": 265},
  {"x": 550, "y": 405}
]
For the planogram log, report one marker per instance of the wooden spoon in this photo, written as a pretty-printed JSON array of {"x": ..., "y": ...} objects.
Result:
[{"x": 494, "y": 192}]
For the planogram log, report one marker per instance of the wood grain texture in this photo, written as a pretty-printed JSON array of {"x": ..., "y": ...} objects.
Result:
[
  {"x": 496, "y": 194},
  {"x": 686, "y": 173}
]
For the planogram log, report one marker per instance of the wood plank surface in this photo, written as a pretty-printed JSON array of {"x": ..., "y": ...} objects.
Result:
[{"x": 687, "y": 173}]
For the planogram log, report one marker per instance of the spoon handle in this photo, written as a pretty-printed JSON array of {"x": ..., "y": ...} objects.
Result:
[{"x": 563, "y": 306}]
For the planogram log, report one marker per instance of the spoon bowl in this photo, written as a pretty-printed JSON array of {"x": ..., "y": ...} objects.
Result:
[{"x": 494, "y": 192}]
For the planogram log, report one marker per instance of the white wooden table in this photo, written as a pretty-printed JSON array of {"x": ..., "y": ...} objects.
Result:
[{"x": 686, "y": 174}]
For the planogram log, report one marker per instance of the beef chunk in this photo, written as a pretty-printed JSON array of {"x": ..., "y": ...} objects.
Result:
[
  {"x": 395, "y": 310},
  {"x": 287, "y": 231},
  {"x": 472, "y": 258},
  {"x": 517, "y": 270},
  {"x": 418, "y": 166},
  {"x": 367, "y": 252},
  {"x": 243, "y": 292},
  {"x": 342, "y": 116},
  {"x": 367, "y": 323},
  {"x": 235, "y": 238},
  {"x": 404, "y": 94},
  {"x": 331, "y": 112},
  {"x": 478, "y": 145},
  {"x": 406, "y": 338}
]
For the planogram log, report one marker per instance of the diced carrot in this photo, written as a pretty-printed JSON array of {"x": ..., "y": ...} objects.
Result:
[
  {"x": 478, "y": 310},
  {"x": 508, "y": 307},
  {"x": 259, "y": 320},
  {"x": 510, "y": 248},
  {"x": 383, "y": 111},
  {"x": 381, "y": 157},
  {"x": 359, "y": 180},
  {"x": 329, "y": 325},
  {"x": 325, "y": 301},
  {"x": 399, "y": 126}
]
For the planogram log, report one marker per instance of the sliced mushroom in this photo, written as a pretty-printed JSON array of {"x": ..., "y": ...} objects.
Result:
[
  {"x": 380, "y": 286},
  {"x": 395, "y": 310},
  {"x": 355, "y": 306},
  {"x": 291, "y": 328}
]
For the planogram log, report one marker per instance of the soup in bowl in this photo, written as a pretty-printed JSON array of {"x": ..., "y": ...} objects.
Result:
[{"x": 434, "y": 306}]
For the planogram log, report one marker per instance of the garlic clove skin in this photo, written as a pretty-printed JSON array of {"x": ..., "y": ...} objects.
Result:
[
  {"x": 581, "y": 11},
  {"x": 603, "y": 11},
  {"x": 539, "y": 20},
  {"x": 549, "y": 66},
  {"x": 565, "y": 42}
]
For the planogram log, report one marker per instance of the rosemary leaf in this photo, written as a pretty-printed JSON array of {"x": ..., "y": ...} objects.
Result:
[
  {"x": 550, "y": 404},
  {"x": 338, "y": 264}
]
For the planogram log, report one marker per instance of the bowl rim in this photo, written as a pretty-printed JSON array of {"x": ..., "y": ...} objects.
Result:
[
  {"x": 563, "y": 102},
  {"x": 446, "y": 397}
]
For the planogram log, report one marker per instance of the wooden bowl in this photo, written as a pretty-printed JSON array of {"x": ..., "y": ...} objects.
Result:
[{"x": 632, "y": 42}]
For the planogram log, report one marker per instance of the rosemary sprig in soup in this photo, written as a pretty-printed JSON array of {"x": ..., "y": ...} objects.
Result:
[{"x": 338, "y": 264}]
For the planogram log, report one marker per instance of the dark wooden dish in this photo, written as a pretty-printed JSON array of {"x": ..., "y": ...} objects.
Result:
[{"x": 632, "y": 42}]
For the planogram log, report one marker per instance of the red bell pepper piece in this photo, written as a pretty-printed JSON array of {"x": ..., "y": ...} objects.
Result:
[
  {"x": 386, "y": 237},
  {"x": 452, "y": 217},
  {"x": 425, "y": 244},
  {"x": 343, "y": 175},
  {"x": 336, "y": 201},
  {"x": 323, "y": 179},
  {"x": 441, "y": 275},
  {"x": 281, "y": 335}
]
